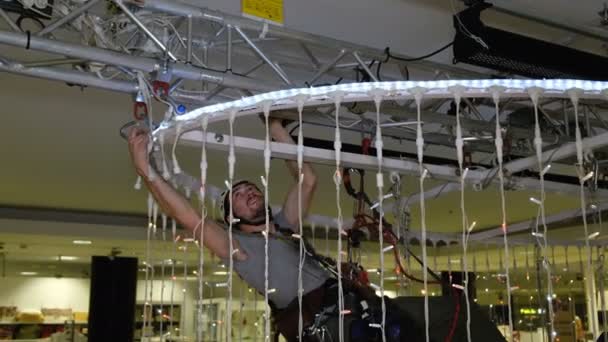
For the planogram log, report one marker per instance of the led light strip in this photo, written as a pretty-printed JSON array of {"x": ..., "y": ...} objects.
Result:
[{"x": 352, "y": 92}]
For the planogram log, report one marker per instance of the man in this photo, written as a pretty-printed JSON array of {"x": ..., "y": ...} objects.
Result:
[{"x": 248, "y": 243}]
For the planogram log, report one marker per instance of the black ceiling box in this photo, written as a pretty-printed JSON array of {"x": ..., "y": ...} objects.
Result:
[
  {"x": 17, "y": 7},
  {"x": 520, "y": 55}
]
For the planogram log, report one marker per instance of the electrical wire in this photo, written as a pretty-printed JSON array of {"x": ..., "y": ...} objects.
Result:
[{"x": 387, "y": 52}]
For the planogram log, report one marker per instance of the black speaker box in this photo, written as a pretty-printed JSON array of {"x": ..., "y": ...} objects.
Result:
[{"x": 112, "y": 299}]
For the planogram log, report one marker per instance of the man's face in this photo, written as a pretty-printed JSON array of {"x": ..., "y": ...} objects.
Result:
[{"x": 247, "y": 202}]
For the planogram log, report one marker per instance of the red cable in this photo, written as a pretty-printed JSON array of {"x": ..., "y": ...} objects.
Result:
[{"x": 455, "y": 319}]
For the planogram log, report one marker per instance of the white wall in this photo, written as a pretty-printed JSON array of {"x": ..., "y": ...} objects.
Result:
[{"x": 36, "y": 293}]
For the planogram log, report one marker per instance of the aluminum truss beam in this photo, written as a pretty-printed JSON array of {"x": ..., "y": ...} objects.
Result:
[
  {"x": 327, "y": 157},
  {"x": 527, "y": 225},
  {"x": 70, "y": 76},
  {"x": 9, "y": 21},
  {"x": 137, "y": 63},
  {"x": 182, "y": 9},
  {"x": 64, "y": 20},
  {"x": 561, "y": 152}
]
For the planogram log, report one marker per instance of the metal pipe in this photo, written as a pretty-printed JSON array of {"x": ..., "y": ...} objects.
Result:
[
  {"x": 219, "y": 89},
  {"x": 566, "y": 120},
  {"x": 175, "y": 84},
  {"x": 561, "y": 152},
  {"x": 9, "y": 21},
  {"x": 143, "y": 27},
  {"x": 206, "y": 61},
  {"x": 70, "y": 16},
  {"x": 364, "y": 66},
  {"x": 50, "y": 62},
  {"x": 325, "y": 68},
  {"x": 229, "y": 48},
  {"x": 590, "y": 131},
  {"x": 313, "y": 60},
  {"x": 263, "y": 56},
  {"x": 189, "y": 72},
  {"x": 599, "y": 118},
  {"x": 71, "y": 76},
  {"x": 189, "y": 35}
]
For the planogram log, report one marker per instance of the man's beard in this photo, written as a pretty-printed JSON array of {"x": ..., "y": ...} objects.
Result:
[{"x": 259, "y": 215}]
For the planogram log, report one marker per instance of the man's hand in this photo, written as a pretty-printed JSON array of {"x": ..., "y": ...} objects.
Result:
[{"x": 138, "y": 148}]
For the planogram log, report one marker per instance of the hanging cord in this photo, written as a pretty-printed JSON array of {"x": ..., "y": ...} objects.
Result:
[
  {"x": 538, "y": 144},
  {"x": 300, "y": 180},
  {"x": 602, "y": 285},
  {"x": 574, "y": 97},
  {"x": 185, "y": 241},
  {"x": 147, "y": 299},
  {"x": 377, "y": 94},
  {"x": 496, "y": 91},
  {"x": 458, "y": 92},
  {"x": 201, "y": 252},
  {"x": 337, "y": 97},
  {"x": 231, "y": 162},
  {"x": 162, "y": 273},
  {"x": 173, "y": 277},
  {"x": 418, "y": 94},
  {"x": 266, "y": 183}
]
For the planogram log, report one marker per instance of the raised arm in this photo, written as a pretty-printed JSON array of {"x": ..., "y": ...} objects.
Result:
[
  {"x": 172, "y": 202},
  {"x": 309, "y": 184}
]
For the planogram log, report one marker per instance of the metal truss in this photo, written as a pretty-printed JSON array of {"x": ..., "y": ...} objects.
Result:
[{"x": 193, "y": 56}]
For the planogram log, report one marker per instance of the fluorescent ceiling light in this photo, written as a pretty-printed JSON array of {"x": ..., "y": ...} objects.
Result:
[
  {"x": 67, "y": 258},
  {"x": 29, "y": 273},
  {"x": 220, "y": 273},
  {"x": 82, "y": 242}
]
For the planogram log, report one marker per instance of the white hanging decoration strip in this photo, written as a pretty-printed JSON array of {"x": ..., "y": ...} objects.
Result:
[
  {"x": 148, "y": 280},
  {"x": 458, "y": 92},
  {"x": 418, "y": 94},
  {"x": 162, "y": 272},
  {"x": 300, "y": 159},
  {"x": 377, "y": 95},
  {"x": 535, "y": 94},
  {"x": 602, "y": 290},
  {"x": 174, "y": 237},
  {"x": 498, "y": 142},
  {"x": 201, "y": 238},
  {"x": 232, "y": 221},
  {"x": 575, "y": 95},
  {"x": 267, "y": 155},
  {"x": 337, "y": 97}
]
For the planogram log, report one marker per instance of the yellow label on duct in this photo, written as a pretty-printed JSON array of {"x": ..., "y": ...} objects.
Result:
[{"x": 265, "y": 9}]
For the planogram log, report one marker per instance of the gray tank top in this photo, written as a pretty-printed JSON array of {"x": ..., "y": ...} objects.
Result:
[{"x": 283, "y": 261}]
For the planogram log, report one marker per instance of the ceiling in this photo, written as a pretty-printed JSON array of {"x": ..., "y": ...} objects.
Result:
[{"x": 61, "y": 148}]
